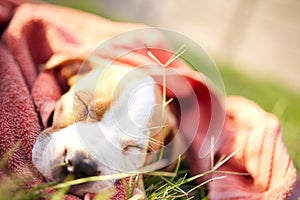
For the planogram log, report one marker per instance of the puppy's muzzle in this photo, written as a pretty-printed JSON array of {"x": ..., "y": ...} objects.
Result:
[{"x": 75, "y": 165}]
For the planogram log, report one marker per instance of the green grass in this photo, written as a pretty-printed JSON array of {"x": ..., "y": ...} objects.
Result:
[{"x": 273, "y": 98}]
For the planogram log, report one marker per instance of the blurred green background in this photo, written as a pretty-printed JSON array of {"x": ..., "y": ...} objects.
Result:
[{"x": 270, "y": 79}]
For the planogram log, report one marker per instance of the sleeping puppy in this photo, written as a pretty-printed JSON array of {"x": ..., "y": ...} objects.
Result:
[{"x": 107, "y": 123}]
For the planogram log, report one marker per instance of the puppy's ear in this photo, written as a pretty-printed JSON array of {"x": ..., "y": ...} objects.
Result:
[
  {"x": 97, "y": 108},
  {"x": 71, "y": 108}
]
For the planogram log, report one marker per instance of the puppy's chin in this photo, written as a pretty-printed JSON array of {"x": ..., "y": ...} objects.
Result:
[{"x": 93, "y": 188}]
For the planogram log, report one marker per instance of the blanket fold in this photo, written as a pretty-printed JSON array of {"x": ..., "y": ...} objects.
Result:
[
  {"x": 39, "y": 42},
  {"x": 271, "y": 174}
]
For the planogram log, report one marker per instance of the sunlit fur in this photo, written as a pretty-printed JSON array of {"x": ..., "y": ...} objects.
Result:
[{"x": 109, "y": 115}]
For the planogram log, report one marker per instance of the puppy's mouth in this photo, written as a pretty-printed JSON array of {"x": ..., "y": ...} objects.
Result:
[
  {"x": 83, "y": 176},
  {"x": 93, "y": 188},
  {"x": 81, "y": 171},
  {"x": 90, "y": 189}
]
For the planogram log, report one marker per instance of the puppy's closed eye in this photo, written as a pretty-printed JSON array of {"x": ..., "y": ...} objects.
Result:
[
  {"x": 130, "y": 144},
  {"x": 131, "y": 148}
]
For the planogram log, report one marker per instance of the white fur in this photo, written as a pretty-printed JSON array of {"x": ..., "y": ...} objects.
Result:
[{"x": 117, "y": 143}]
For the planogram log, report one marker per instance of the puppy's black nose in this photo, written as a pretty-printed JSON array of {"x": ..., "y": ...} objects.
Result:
[{"x": 81, "y": 165}]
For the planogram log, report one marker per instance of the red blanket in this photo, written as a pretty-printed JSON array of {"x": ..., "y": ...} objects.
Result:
[{"x": 35, "y": 36}]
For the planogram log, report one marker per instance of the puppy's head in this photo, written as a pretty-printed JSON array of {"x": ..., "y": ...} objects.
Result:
[{"x": 103, "y": 125}]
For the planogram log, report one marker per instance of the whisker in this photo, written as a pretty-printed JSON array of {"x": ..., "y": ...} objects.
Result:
[
  {"x": 153, "y": 139},
  {"x": 156, "y": 142},
  {"x": 151, "y": 148},
  {"x": 156, "y": 127}
]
